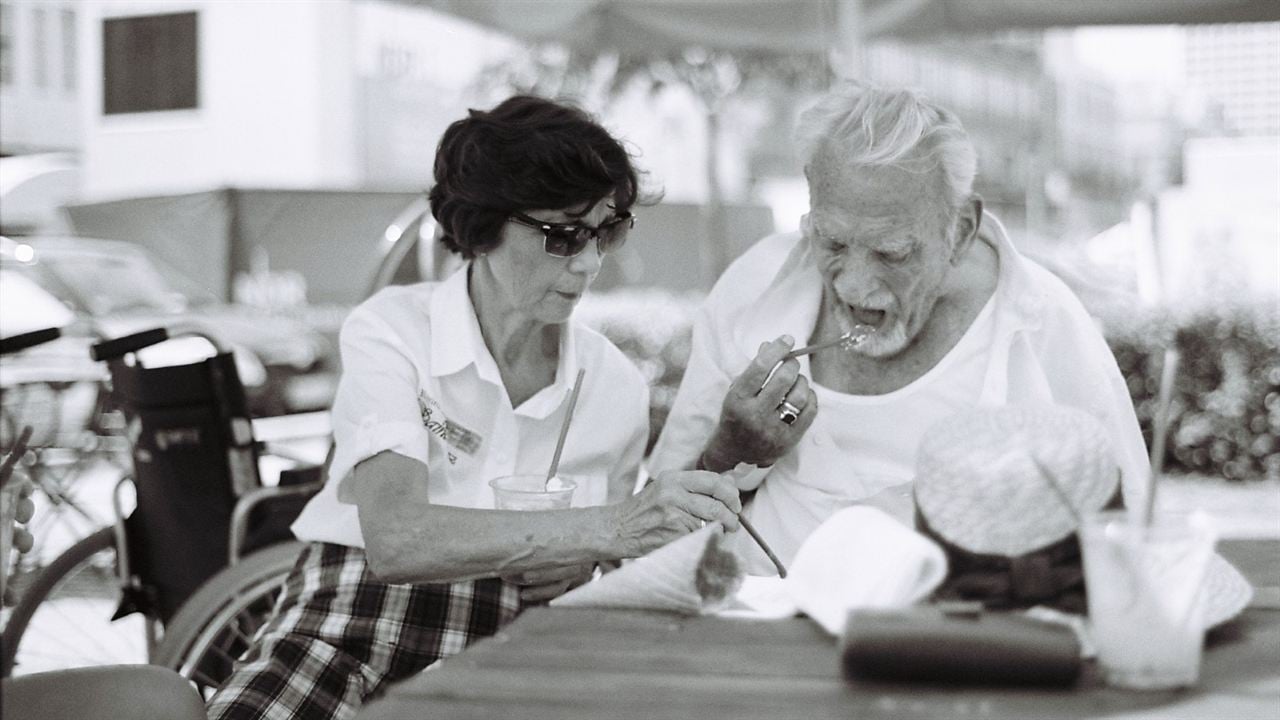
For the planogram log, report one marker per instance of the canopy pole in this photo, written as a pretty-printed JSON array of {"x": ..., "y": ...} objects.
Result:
[
  {"x": 847, "y": 55},
  {"x": 718, "y": 255}
]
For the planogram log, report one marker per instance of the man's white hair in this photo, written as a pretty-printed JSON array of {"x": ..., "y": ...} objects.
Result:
[{"x": 900, "y": 128}]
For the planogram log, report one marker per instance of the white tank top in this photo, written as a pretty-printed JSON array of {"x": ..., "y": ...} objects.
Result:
[
  {"x": 883, "y": 431},
  {"x": 861, "y": 449}
]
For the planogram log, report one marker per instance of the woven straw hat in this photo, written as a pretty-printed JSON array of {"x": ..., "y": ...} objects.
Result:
[{"x": 1009, "y": 480}]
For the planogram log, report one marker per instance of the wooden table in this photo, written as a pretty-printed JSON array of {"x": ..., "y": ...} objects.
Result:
[{"x": 563, "y": 664}]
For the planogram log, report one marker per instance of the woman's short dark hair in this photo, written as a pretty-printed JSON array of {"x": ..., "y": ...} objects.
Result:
[{"x": 527, "y": 153}]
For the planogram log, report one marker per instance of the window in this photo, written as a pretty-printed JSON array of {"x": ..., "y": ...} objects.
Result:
[
  {"x": 149, "y": 63},
  {"x": 39, "y": 48},
  {"x": 68, "y": 50},
  {"x": 6, "y": 44}
]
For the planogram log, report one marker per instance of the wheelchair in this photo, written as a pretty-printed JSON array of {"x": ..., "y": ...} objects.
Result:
[
  {"x": 188, "y": 578},
  {"x": 194, "y": 569}
]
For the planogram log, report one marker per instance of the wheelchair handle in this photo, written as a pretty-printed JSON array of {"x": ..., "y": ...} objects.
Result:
[
  {"x": 22, "y": 341},
  {"x": 116, "y": 347}
]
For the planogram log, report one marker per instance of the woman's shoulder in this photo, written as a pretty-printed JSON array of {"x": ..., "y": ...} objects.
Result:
[
  {"x": 394, "y": 305},
  {"x": 394, "y": 297}
]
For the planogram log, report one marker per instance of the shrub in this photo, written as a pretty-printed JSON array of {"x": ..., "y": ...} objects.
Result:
[
  {"x": 1224, "y": 414},
  {"x": 653, "y": 327}
]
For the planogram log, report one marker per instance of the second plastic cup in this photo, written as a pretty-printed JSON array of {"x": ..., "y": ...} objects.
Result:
[
  {"x": 1146, "y": 596},
  {"x": 531, "y": 492}
]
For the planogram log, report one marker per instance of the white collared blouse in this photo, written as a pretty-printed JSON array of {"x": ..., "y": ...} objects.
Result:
[
  {"x": 1034, "y": 342},
  {"x": 418, "y": 380}
]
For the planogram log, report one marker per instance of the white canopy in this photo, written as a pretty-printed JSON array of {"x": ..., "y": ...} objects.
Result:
[{"x": 653, "y": 27}]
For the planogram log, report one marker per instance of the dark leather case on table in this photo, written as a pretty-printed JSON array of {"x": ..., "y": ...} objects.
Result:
[{"x": 980, "y": 648}]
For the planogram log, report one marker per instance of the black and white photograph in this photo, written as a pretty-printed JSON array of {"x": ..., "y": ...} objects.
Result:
[{"x": 639, "y": 359}]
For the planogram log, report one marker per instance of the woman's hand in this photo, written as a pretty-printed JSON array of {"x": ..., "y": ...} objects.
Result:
[
  {"x": 538, "y": 586},
  {"x": 673, "y": 504},
  {"x": 752, "y": 428}
]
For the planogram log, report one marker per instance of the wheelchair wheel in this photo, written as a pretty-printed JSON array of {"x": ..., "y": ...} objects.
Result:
[
  {"x": 63, "y": 617},
  {"x": 218, "y": 623}
]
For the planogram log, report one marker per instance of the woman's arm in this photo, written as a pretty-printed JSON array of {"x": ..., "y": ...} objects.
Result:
[{"x": 408, "y": 539}]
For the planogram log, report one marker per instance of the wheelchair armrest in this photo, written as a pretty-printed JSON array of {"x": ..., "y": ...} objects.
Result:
[
  {"x": 249, "y": 501},
  {"x": 301, "y": 475}
]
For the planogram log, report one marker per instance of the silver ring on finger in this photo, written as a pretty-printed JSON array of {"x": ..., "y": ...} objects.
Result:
[{"x": 788, "y": 413}]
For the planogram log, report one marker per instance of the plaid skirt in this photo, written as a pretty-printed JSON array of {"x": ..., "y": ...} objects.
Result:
[{"x": 338, "y": 637}]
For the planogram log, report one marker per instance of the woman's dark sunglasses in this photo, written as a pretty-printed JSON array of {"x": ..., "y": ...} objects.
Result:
[{"x": 566, "y": 241}]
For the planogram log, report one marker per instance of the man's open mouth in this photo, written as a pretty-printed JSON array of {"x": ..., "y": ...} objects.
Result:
[{"x": 866, "y": 316}]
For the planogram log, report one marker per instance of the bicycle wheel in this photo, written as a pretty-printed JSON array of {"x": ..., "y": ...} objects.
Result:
[
  {"x": 74, "y": 459},
  {"x": 218, "y": 623},
  {"x": 63, "y": 618},
  {"x": 73, "y": 493}
]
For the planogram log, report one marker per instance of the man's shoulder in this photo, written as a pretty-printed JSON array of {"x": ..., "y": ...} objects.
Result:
[
  {"x": 748, "y": 276},
  {"x": 1054, "y": 312},
  {"x": 1027, "y": 285},
  {"x": 767, "y": 254},
  {"x": 1056, "y": 297}
]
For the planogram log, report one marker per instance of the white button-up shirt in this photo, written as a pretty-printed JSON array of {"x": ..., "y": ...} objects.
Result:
[
  {"x": 1033, "y": 343},
  {"x": 418, "y": 380}
]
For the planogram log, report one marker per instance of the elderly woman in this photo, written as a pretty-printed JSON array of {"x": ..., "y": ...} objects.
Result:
[{"x": 449, "y": 384}]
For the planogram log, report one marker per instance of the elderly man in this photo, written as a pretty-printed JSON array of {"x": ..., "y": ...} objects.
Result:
[{"x": 896, "y": 245}]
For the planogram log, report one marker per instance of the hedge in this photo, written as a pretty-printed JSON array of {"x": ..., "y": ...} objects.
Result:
[{"x": 1225, "y": 409}]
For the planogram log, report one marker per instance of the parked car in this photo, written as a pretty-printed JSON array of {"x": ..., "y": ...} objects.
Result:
[{"x": 113, "y": 288}]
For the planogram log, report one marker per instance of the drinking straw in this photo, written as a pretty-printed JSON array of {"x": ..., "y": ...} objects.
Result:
[
  {"x": 564, "y": 428},
  {"x": 1158, "y": 436},
  {"x": 782, "y": 571},
  {"x": 1154, "y": 279}
]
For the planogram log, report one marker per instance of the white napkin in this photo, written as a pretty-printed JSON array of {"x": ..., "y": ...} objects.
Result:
[
  {"x": 859, "y": 558},
  {"x": 690, "y": 575}
]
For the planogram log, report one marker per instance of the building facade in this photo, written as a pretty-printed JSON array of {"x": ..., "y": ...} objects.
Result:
[
  {"x": 1052, "y": 157},
  {"x": 1234, "y": 70},
  {"x": 41, "y": 76}
]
